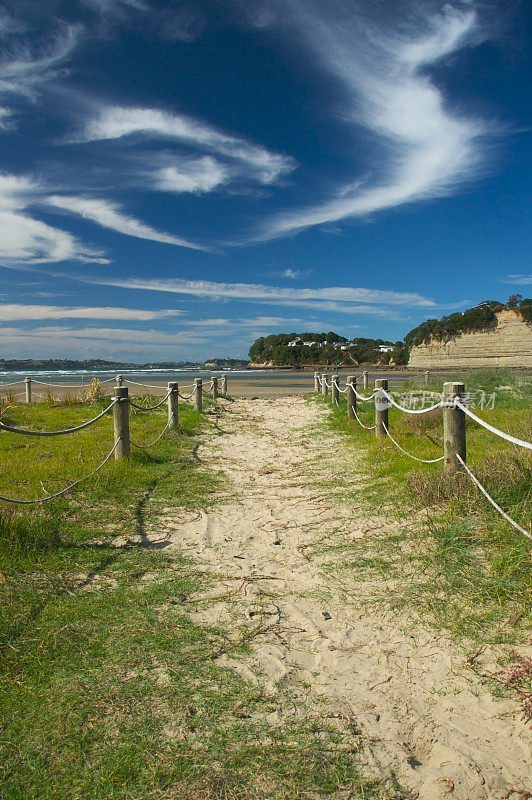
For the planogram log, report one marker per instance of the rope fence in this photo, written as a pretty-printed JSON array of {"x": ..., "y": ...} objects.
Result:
[
  {"x": 454, "y": 412},
  {"x": 67, "y": 489},
  {"x": 120, "y": 407}
]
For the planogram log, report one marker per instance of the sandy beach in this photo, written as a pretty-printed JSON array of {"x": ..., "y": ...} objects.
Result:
[{"x": 273, "y": 383}]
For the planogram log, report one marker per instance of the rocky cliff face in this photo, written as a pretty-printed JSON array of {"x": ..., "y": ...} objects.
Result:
[{"x": 507, "y": 345}]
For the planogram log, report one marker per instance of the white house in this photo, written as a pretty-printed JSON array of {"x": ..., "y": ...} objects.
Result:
[
  {"x": 385, "y": 348},
  {"x": 294, "y": 343}
]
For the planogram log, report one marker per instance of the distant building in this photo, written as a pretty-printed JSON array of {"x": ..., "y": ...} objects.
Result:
[
  {"x": 294, "y": 343},
  {"x": 385, "y": 348}
]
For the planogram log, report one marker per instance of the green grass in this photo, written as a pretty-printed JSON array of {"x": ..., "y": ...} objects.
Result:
[
  {"x": 461, "y": 565},
  {"x": 108, "y": 690}
]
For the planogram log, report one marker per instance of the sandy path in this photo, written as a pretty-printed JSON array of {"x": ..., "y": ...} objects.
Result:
[{"x": 425, "y": 719}]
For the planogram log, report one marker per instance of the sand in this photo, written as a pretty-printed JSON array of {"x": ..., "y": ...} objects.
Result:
[{"x": 424, "y": 717}]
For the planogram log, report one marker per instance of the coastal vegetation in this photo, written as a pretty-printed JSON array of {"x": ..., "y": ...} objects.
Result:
[
  {"x": 463, "y": 568},
  {"x": 34, "y": 364},
  {"x": 298, "y": 349},
  {"x": 293, "y": 349},
  {"x": 108, "y": 688},
  {"x": 481, "y": 317}
]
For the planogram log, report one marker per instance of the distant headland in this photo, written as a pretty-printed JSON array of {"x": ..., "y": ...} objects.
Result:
[{"x": 59, "y": 364}]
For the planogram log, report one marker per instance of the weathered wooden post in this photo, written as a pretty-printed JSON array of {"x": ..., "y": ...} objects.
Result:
[
  {"x": 214, "y": 382},
  {"x": 324, "y": 388},
  {"x": 119, "y": 380},
  {"x": 28, "y": 389},
  {"x": 426, "y": 377},
  {"x": 224, "y": 384},
  {"x": 316, "y": 381},
  {"x": 381, "y": 407},
  {"x": 454, "y": 428},
  {"x": 351, "y": 382},
  {"x": 173, "y": 406},
  {"x": 198, "y": 394},
  {"x": 365, "y": 380},
  {"x": 335, "y": 394},
  {"x": 121, "y": 423}
]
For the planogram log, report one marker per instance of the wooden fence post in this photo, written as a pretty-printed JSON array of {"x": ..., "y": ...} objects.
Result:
[
  {"x": 224, "y": 384},
  {"x": 351, "y": 396},
  {"x": 119, "y": 380},
  {"x": 426, "y": 377},
  {"x": 381, "y": 407},
  {"x": 28, "y": 389},
  {"x": 121, "y": 423},
  {"x": 198, "y": 394},
  {"x": 454, "y": 429},
  {"x": 316, "y": 381},
  {"x": 214, "y": 382},
  {"x": 173, "y": 406},
  {"x": 324, "y": 389},
  {"x": 365, "y": 380},
  {"x": 334, "y": 389}
]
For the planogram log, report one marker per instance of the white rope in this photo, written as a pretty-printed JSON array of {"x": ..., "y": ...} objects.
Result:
[
  {"x": 188, "y": 396},
  {"x": 423, "y": 460},
  {"x": 13, "y": 383},
  {"x": 60, "y": 385},
  {"x": 507, "y": 436},
  {"x": 412, "y": 410},
  {"x": 327, "y": 384},
  {"x": 69, "y": 385},
  {"x": 342, "y": 391},
  {"x": 145, "y": 446},
  {"x": 59, "y": 433},
  {"x": 491, "y": 500},
  {"x": 368, "y": 428},
  {"x": 151, "y": 408},
  {"x": 361, "y": 396},
  {"x": 145, "y": 385},
  {"x": 68, "y": 488}
]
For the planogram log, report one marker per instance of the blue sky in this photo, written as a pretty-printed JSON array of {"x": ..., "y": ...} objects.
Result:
[{"x": 178, "y": 178}]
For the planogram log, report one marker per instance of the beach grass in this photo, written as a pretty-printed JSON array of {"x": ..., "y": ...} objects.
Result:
[
  {"x": 108, "y": 689},
  {"x": 460, "y": 564}
]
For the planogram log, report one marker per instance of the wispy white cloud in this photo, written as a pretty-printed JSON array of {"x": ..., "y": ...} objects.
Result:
[
  {"x": 196, "y": 175},
  {"x": 353, "y": 309},
  {"x": 425, "y": 149},
  {"x": 292, "y": 274},
  {"x": 10, "y": 312},
  {"x": 23, "y": 70},
  {"x": 110, "y": 215},
  {"x": 116, "y": 122},
  {"x": 521, "y": 280},
  {"x": 47, "y": 341},
  {"x": 243, "y": 322},
  {"x": 5, "y": 118},
  {"x": 247, "y": 291},
  {"x": 25, "y": 240}
]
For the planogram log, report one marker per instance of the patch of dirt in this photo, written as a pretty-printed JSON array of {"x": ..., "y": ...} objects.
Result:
[{"x": 425, "y": 719}]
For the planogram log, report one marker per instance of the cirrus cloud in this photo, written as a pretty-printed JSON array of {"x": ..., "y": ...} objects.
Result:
[{"x": 423, "y": 148}]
